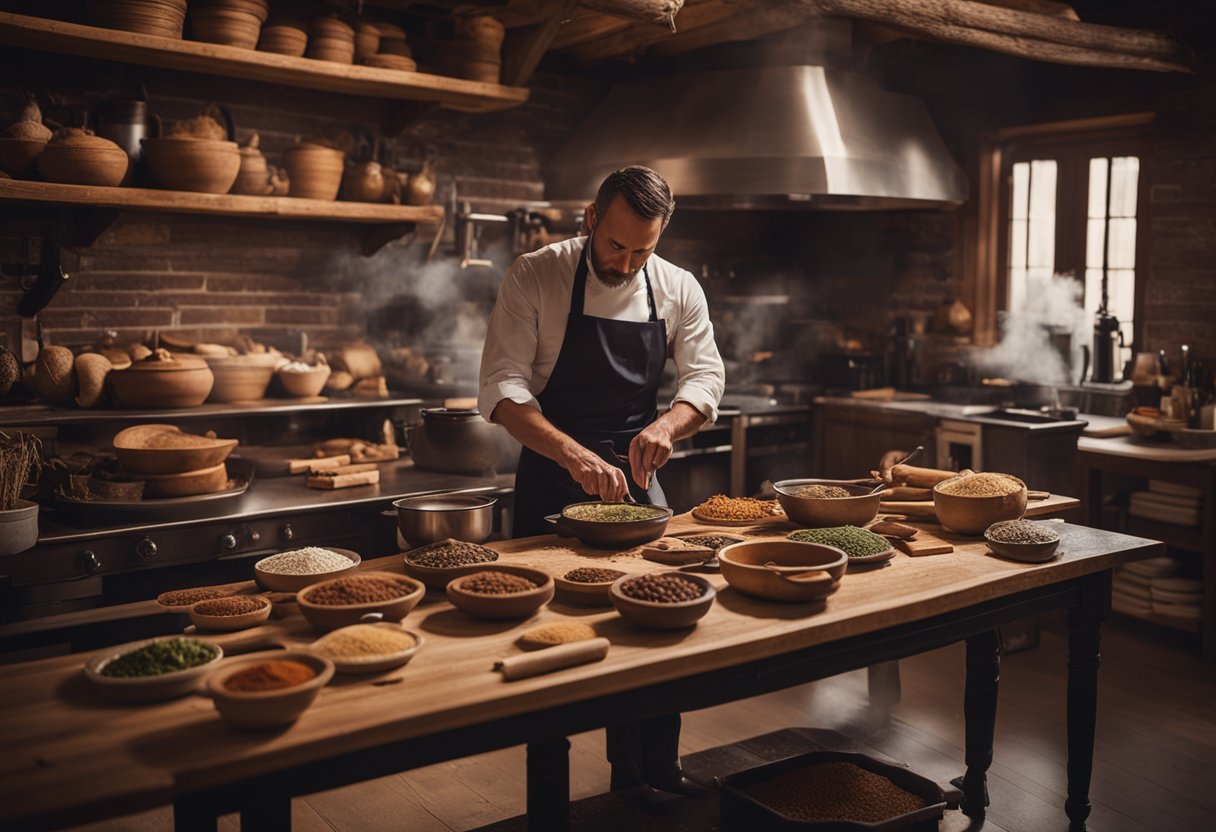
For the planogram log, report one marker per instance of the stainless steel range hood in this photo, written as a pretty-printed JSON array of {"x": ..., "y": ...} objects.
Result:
[{"x": 765, "y": 137}]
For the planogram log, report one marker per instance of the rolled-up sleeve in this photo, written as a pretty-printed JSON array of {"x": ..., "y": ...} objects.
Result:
[
  {"x": 510, "y": 347},
  {"x": 700, "y": 376}
]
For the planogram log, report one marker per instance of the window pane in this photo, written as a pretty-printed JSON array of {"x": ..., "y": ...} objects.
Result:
[
  {"x": 1123, "y": 297},
  {"x": 1093, "y": 292},
  {"x": 1021, "y": 191},
  {"x": 1017, "y": 244},
  {"x": 1043, "y": 189},
  {"x": 1097, "y": 188},
  {"x": 1124, "y": 177},
  {"x": 1017, "y": 288},
  {"x": 1095, "y": 238},
  {"x": 1121, "y": 247},
  {"x": 1042, "y": 249}
]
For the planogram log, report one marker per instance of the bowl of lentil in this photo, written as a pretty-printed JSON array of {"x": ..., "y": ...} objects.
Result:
[
  {"x": 861, "y": 546},
  {"x": 437, "y": 563},
  {"x": 611, "y": 525},
  {"x": 501, "y": 591},
  {"x": 343, "y": 601},
  {"x": 587, "y": 586},
  {"x": 970, "y": 504},
  {"x": 182, "y": 600},
  {"x": 662, "y": 600},
  {"x": 295, "y": 569},
  {"x": 152, "y": 669},
  {"x": 746, "y": 567},
  {"x": 268, "y": 690},
  {"x": 818, "y": 503},
  {"x": 368, "y": 648},
  {"x": 720, "y": 510},
  {"x": 233, "y": 612},
  {"x": 1023, "y": 540}
]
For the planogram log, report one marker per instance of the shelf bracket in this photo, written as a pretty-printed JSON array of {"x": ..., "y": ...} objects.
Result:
[
  {"x": 376, "y": 237},
  {"x": 83, "y": 226},
  {"x": 401, "y": 114}
]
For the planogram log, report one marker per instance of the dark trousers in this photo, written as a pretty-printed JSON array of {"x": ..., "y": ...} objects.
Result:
[{"x": 643, "y": 750}]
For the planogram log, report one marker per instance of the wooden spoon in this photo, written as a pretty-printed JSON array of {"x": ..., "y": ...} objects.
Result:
[{"x": 801, "y": 577}]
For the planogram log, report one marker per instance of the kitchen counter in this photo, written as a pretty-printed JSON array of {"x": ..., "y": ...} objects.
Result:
[
  {"x": 1134, "y": 447},
  {"x": 939, "y": 410}
]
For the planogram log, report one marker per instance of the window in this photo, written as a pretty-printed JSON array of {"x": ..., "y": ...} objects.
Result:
[{"x": 1110, "y": 239}]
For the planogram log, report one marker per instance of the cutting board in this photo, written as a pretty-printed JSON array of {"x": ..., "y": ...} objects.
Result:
[
  {"x": 345, "y": 480},
  {"x": 924, "y": 544}
]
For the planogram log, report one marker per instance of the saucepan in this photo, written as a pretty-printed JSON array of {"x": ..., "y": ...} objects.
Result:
[{"x": 423, "y": 520}]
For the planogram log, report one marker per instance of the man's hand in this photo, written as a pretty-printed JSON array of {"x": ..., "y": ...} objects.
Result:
[
  {"x": 649, "y": 451},
  {"x": 596, "y": 476}
]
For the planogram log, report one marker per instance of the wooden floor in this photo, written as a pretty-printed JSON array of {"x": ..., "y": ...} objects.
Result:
[{"x": 1155, "y": 761}]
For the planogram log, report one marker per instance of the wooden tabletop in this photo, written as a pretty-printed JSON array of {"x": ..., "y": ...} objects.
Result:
[{"x": 68, "y": 755}]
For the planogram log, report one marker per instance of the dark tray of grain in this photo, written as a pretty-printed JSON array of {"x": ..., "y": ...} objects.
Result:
[{"x": 829, "y": 790}]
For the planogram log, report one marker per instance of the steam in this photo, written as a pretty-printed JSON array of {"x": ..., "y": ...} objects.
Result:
[{"x": 1026, "y": 353}]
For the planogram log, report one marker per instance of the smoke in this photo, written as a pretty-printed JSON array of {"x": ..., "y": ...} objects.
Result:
[{"x": 1052, "y": 307}]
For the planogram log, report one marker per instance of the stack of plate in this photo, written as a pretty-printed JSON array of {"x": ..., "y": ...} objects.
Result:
[{"x": 1167, "y": 503}]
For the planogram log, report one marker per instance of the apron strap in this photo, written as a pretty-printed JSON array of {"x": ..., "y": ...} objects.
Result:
[{"x": 654, "y": 315}]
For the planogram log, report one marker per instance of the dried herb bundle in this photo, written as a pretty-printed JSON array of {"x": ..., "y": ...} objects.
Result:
[{"x": 20, "y": 461}]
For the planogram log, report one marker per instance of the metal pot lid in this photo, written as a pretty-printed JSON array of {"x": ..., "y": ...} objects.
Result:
[{"x": 448, "y": 414}]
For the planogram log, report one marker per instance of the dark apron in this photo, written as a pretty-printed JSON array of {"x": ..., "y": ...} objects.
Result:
[{"x": 604, "y": 386}]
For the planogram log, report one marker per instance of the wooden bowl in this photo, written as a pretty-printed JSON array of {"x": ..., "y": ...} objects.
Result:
[
  {"x": 972, "y": 515},
  {"x": 180, "y": 382},
  {"x": 283, "y": 38},
  {"x": 826, "y": 512},
  {"x": 230, "y": 623},
  {"x": 398, "y": 62},
  {"x": 272, "y": 708},
  {"x": 277, "y": 582},
  {"x": 656, "y": 616},
  {"x": 514, "y": 605},
  {"x": 583, "y": 594},
  {"x": 1024, "y": 552},
  {"x": 438, "y": 577},
  {"x": 367, "y": 39},
  {"x": 375, "y": 664},
  {"x": 17, "y": 156},
  {"x": 315, "y": 172},
  {"x": 96, "y": 163},
  {"x": 323, "y": 48},
  {"x": 481, "y": 28},
  {"x": 743, "y": 567},
  {"x": 333, "y": 616},
  {"x": 231, "y": 27},
  {"x": 205, "y": 166},
  {"x": 163, "y": 18},
  {"x": 238, "y": 380},
  {"x": 167, "y": 449},
  {"x": 186, "y": 484},
  {"x": 304, "y": 385},
  {"x": 146, "y": 688},
  {"x": 609, "y": 535}
]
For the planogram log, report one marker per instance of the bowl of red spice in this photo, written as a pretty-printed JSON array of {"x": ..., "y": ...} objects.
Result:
[
  {"x": 233, "y": 612},
  {"x": 501, "y": 591},
  {"x": 344, "y": 601},
  {"x": 663, "y": 600},
  {"x": 268, "y": 690}
]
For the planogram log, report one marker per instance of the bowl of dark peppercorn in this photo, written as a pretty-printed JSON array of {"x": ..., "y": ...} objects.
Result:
[
  {"x": 438, "y": 563},
  {"x": 663, "y": 600},
  {"x": 1023, "y": 540},
  {"x": 346, "y": 600},
  {"x": 500, "y": 591},
  {"x": 587, "y": 586}
]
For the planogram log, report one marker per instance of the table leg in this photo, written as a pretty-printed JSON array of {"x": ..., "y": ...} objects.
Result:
[
  {"x": 979, "y": 711},
  {"x": 1084, "y": 623},
  {"x": 271, "y": 813},
  {"x": 884, "y": 686},
  {"x": 549, "y": 785},
  {"x": 193, "y": 815}
]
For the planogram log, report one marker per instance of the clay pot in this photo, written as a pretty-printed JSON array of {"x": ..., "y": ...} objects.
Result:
[
  {"x": 204, "y": 166},
  {"x": 315, "y": 172},
  {"x": 364, "y": 182},
  {"x": 17, "y": 155},
  {"x": 420, "y": 189},
  {"x": 331, "y": 40},
  {"x": 83, "y": 159},
  {"x": 167, "y": 449},
  {"x": 164, "y": 18},
  {"x": 284, "y": 36},
  {"x": 254, "y": 175},
  {"x": 238, "y": 379},
  {"x": 367, "y": 40},
  {"x": 304, "y": 384},
  {"x": 398, "y": 62},
  {"x": 157, "y": 383},
  {"x": 481, "y": 28},
  {"x": 186, "y": 484},
  {"x": 219, "y": 23}
]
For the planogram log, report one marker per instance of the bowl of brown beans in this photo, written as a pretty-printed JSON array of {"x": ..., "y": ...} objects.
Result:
[
  {"x": 823, "y": 503},
  {"x": 587, "y": 586},
  {"x": 438, "y": 563},
  {"x": 346, "y": 600},
  {"x": 662, "y": 600},
  {"x": 501, "y": 591},
  {"x": 232, "y": 612},
  {"x": 268, "y": 690}
]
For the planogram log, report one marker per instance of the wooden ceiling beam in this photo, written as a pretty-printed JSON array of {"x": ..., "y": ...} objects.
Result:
[
  {"x": 584, "y": 26},
  {"x": 765, "y": 19},
  {"x": 642, "y": 35},
  {"x": 651, "y": 11},
  {"x": 525, "y": 47}
]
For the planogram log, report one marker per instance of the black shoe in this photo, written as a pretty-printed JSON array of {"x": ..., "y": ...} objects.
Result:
[
  {"x": 623, "y": 780},
  {"x": 674, "y": 781}
]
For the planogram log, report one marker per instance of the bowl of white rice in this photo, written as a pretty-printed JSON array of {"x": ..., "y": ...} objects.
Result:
[{"x": 292, "y": 570}]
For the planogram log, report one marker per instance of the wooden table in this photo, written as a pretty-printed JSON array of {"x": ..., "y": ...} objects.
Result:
[{"x": 69, "y": 756}]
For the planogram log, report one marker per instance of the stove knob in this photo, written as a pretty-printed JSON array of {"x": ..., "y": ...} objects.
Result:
[
  {"x": 288, "y": 532},
  {"x": 254, "y": 535},
  {"x": 146, "y": 549},
  {"x": 88, "y": 562},
  {"x": 228, "y": 542}
]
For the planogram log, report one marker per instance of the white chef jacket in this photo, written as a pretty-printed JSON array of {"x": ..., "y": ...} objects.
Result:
[{"x": 528, "y": 326}]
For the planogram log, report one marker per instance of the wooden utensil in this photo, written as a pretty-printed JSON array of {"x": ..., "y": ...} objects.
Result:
[
  {"x": 817, "y": 576},
  {"x": 344, "y": 480},
  {"x": 300, "y": 466}
]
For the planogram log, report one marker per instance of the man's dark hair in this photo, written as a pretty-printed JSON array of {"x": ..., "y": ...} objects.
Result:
[{"x": 647, "y": 193}]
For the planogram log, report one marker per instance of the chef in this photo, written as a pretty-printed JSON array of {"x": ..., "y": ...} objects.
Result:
[{"x": 573, "y": 357}]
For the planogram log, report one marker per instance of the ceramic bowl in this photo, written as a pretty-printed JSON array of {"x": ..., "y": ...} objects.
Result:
[
  {"x": 304, "y": 384},
  {"x": 283, "y": 39},
  {"x": 230, "y": 623},
  {"x": 184, "y": 382},
  {"x": 743, "y": 567},
  {"x": 238, "y": 380},
  {"x": 972, "y": 515},
  {"x": 375, "y": 664},
  {"x": 513, "y": 605},
  {"x": 163, "y": 18},
  {"x": 167, "y": 449},
  {"x": 315, "y": 172},
  {"x": 333, "y": 616},
  {"x": 277, "y": 582},
  {"x": 186, "y": 484},
  {"x": 146, "y": 688},
  {"x": 205, "y": 166},
  {"x": 91, "y": 164},
  {"x": 1025, "y": 552},
  {"x": 272, "y": 708},
  {"x": 656, "y": 616},
  {"x": 584, "y": 594},
  {"x": 17, "y": 156},
  {"x": 438, "y": 577},
  {"x": 612, "y": 535},
  {"x": 826, "y": 512}
]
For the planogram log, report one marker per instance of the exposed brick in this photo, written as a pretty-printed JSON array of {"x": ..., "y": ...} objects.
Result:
[
  {"x": 140, "y": 281},
  {"x": 301, "y": 315},
  {"x": 104, "y": 318},
  {"x": 221, "y": 315}
]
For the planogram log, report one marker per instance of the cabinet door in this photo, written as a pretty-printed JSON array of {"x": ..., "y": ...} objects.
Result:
[{"x": 850, "y": 442}]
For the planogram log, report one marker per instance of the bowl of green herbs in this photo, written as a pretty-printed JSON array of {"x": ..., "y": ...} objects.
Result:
[
  {"x": 156, "y": 668},
  {"x": 862, "y": 546}
]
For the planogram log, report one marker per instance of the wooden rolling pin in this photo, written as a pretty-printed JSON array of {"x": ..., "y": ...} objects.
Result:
[
  {"x": 906, "y": 492},
  {"x": 922, "y": 477},
  {"x": 552, "y": 658}
]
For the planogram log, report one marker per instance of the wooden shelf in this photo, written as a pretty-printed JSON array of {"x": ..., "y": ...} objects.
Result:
[
  {"x": 22, "y": 31},
  {"x": 39, "y": 415}
]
